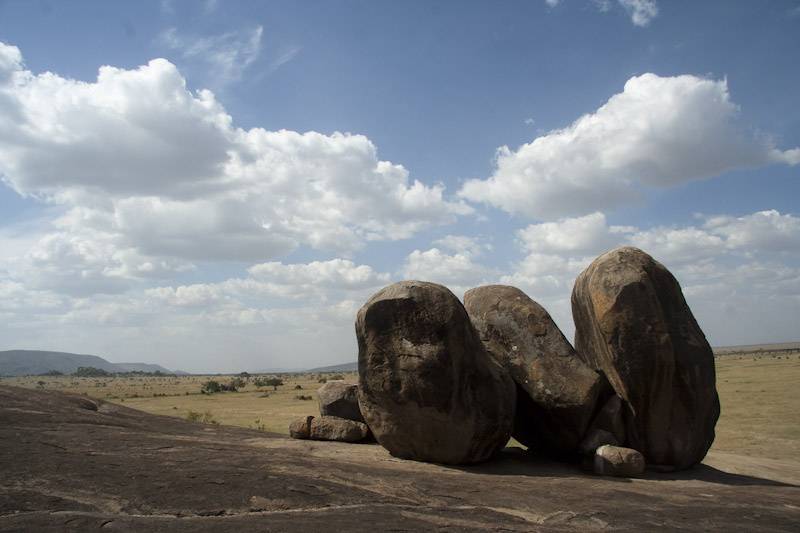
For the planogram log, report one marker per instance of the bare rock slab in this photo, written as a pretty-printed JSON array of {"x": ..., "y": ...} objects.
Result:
[
  {"x": 632, "y": 322},
  {"x": 428, "y": 389},
  {"x": 337, "y": 398},
  {"x": 618, "y": 461},
  {"x": 557, "y": 391},
  {"x": 64, "y": 467}
]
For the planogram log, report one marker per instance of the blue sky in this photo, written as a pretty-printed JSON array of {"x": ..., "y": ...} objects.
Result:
[{"x": 242, "y": 176}]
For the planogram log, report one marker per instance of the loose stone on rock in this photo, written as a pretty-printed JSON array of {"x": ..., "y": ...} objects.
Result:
[
  {"x": 338, "y": 429},
  {"x": 617, "y": 461}
]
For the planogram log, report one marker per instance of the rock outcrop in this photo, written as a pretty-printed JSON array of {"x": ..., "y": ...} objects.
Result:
[
  {"x": 557, "y": 393},
  {"x": 68, "y": 468},
  {"x": 633, "y": 324},
  {"x": 337, "y": 398},
  {"x": 428, "y": 389}
]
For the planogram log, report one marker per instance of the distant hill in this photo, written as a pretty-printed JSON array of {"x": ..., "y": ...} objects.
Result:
[
  {"x": 142, "y": 367},
  {"x": 275, "y": 370},
  {"x": 343, "y": 367},
  {"x": 750, "y": 348},
  {"x": 34, "y": 362}
]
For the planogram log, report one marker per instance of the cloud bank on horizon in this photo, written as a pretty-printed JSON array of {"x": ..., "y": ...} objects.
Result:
[{"x": 150, "y": 193}]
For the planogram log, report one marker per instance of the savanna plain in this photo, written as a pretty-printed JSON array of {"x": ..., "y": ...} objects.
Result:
[{"x": 758, "y": 392}]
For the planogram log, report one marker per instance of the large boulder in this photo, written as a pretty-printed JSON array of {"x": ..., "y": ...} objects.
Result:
[
  {"x": 596, "y": 438},
  {"x": 337, "y": 398},
  {"x": 632, "y": 322},
  {"x": 427, "y": 388},
  {"x": 611, "y": 419},
  {"x": 557, "y": 393}
]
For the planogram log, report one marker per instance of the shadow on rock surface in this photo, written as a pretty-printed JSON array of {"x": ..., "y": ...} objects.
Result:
[{"x": 703, "y": 472}]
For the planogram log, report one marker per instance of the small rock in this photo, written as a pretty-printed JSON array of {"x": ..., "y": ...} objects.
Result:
[
  {"x": 82, "y": 403},
  {"x": 337, "y": 398},
  {"x": 301, "y": 428},
  {"x": 339, "y": 429},
  {"x": 617, "y": 461}
]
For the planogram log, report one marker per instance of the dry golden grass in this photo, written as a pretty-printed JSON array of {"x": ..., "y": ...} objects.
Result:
[
  {"x": 256, "y": 407},
  {"x": 760, "y": 396}
]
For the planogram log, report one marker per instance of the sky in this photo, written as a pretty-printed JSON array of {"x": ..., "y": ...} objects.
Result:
[{"x": 219, "y": 186}]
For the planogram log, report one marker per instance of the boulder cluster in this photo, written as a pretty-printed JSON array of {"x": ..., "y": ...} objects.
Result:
[
  {"x": 340, "y": 417},
  {"x": 450, "y": 383}
]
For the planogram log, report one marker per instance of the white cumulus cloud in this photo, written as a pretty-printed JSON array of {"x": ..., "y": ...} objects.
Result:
[
  {"x": 335, "y": 273},
  {"x": 722, "y": 262},
  {"x": 658, "y": 132},
  {"x": 458, "y": 271},
  {"x": 463, "y": 244},
  {"x": 163, "y": 172},
  {"x": 586, "y": 234}
]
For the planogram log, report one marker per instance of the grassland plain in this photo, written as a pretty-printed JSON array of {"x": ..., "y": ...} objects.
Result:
[{"x": 758, "y": 391}]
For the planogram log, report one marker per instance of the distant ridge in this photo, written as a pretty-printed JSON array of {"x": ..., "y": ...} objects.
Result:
[
  {"x": 343, "y": 367},
  {"x": 142, "y": 367},
  {"x": 775, "y": 347},
  {"x": 35, "y": 362},
  {"x": 783, "y": 346}
]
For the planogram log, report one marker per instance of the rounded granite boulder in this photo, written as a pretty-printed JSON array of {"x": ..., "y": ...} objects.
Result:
[
  {"x": 632, "y": 323},
  {"x": 337, "y": 398},
  {"x": 557, "y": 393},
  {"x": 428, "y": 389}
]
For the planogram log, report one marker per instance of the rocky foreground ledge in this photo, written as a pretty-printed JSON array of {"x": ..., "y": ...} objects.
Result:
[{"x": 68, "y": 463}]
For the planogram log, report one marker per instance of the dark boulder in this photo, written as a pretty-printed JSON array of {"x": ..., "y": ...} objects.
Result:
[
  {"x": 596, "y": 438},
  {"x": 557, "y": 393},
  {"x": 337, "y": 398},
  {"x": 632, "y": 323},
  {"x": 610, "y": 418},
  {"x": 427, "y": 388}
]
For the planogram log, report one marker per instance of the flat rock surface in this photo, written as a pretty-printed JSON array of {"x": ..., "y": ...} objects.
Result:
[{"x": 67, "y": 467}]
